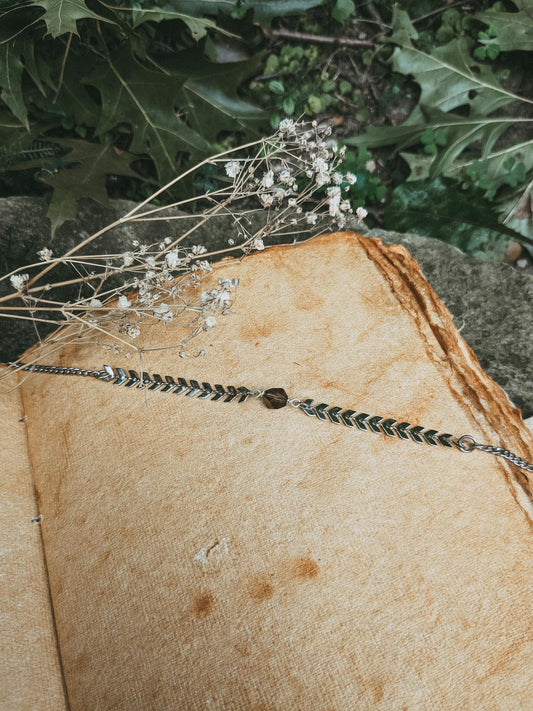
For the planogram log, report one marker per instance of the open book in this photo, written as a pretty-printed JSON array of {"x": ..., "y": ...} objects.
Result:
[{"x": 194, "y": 554}]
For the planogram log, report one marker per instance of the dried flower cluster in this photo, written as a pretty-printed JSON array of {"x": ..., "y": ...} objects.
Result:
[{"x": 293, "y": 176}]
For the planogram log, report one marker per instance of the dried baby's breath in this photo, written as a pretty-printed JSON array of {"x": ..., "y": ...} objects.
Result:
[{"x": 293, "y": 176}]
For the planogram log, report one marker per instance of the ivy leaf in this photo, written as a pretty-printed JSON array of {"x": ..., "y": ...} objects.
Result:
[
  {"x": 61, "y": 16},
  {"x": 264, "y": 10},
  {"x": 446, "y": 76},
  {"x": 11, "y": 82},
  {"x": 145, "y": 100},
  {"x": 514, "y": 29},
  {"x": 87, "y": 167}
]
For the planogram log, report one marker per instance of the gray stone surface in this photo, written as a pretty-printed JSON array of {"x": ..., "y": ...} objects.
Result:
[{"x": 491, "y": 304}]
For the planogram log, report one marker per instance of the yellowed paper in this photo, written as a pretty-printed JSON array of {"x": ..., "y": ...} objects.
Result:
[
  {"x": 224, "y": 556},
  {"x": 30, "y": 673}
]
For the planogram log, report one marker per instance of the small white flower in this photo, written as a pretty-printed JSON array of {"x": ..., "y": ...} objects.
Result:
[
  {"x": 167, "y": 240},
  {"x": 231, "y": 241},
  {"x": 292, "y": 202},
  {"x": 351, "y": 178},
  {"x": 233, "y": 168},
  {"x": 334, "y": 200},
  {"x": 336, "y": 178},
  {"x": 322, "y": 179},
  {"x": 127, "y": 259},
  {"x": 311, "y": 218},
  {"x": 361, "y": 213},
  {"x": 286, "y": 126},
  {"x": 45, "y": 254},
  {"x": 198, "y": 249},
  {"x": 163, "y": 313},
  {"x": 18, "y": 281},
  {"x": 345, "y": 206},
  {"x": 267, "y": 181},
  {"x": 150, "y": 262},
  {"x": 123, "y": 302},
  {"x": 285, "y": 176},
  {"x": 95, "y": 304},
  {"x": 370, "y": 165},
  {"x": 205, "y": 266},
  {"x": 267, "y": 199},
  {"x": 319, "y": 165},
  {"x": 209, "y": 322},
  {"x": 133, "y": 331},
  {"x": 258, "y": 244},
  {"x": 135, "y": 243},
  {"x": 172, "y": 259}
]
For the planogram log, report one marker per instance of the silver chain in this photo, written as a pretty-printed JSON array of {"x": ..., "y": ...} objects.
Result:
[{"x": 323, "y": 412}]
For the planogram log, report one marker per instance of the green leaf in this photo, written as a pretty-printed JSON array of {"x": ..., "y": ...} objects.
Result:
[
  {"x": 264, "y": 10},
  {"x": 209, "y": 94},
  {"x": 197, "y": 26},
  {"x": 342, "y": 10},
  {"x": 62, "y": 15},
  {"x": 439, "y": 208},
  {"x": 276, "y": 87},
  {"x": 513, "y": 29},
  {"x": 288, "y": 106},
  {"x": 496, "y": 167},
  {"x": 11, "y": 82},
  {"x": 146, "y": 101},
  {"x": 448, "y": 77},
  {"x": 89, "y": 164},
  {"x": 493, "y": 51}
]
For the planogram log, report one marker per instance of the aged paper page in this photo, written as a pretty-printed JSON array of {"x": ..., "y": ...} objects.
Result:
[
  {"x": 211, "y": 555},
  {"x": 30, "y": 672}
]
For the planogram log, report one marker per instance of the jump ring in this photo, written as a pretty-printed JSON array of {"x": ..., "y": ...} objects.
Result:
[{"x": 466, "y": 443}]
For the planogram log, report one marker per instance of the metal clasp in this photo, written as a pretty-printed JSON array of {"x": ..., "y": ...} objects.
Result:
[{"x": 466, "y": 443}]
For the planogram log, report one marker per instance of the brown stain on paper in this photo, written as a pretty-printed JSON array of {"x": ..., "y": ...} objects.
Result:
[
  {"x": 203, "y": 605},
  {"x": 305, "y": 569},
  {"x": 260, "y": 589}
]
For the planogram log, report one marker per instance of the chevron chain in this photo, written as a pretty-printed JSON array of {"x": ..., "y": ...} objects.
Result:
[{"x": 275, "y": 398}]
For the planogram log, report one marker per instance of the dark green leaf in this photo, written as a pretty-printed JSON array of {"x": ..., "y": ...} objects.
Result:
[
  {"x": 439, "y": 208},
  {"x": 89, "y": 164},
  {"x": 276, "y": 87},
  {"x": 208, "y": 97},
  {"x": 493, "y": 51},
  {"x": 342, "y": 10},
  {"x": 264, "y": 10},
  {"x": 197, "y": 26},
  {"x": 62, "y": 15},
  {"x": 11, "y": 82},
  {"x": 146, "y": 101},
  {"x": 513, "y": 29}
]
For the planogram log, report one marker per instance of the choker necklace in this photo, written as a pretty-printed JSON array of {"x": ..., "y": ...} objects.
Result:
[{"x": 274, "y": 399}]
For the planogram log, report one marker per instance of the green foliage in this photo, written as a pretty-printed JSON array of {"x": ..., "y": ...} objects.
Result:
[
  {"x": 135, "y": 90},
  {"x": 342, "y": 10},
  {"x": 440, "y": 208},
  {"x": 514, "y": 30},
  {"x": 460, "y": 128},
  {"x": 264, "y": 11},
  {"x": 61, "y": 16},
  {"x": 294, "y": 82},
  {"x": 368, "y": 190}
]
